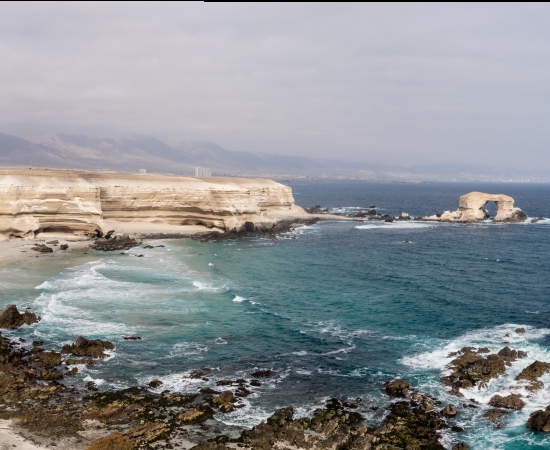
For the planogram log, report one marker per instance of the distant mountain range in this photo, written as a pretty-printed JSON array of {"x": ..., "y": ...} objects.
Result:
[{"x": 146, "y": 152}]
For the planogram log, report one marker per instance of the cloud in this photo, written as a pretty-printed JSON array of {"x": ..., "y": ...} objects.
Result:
[{"x": 394, "y": 83}]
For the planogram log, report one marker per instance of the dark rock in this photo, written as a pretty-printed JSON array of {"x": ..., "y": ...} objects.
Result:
[
  {"x": 155, "y": 383},
  {"x": 11, "y": 318},
  {"x": 42, "y": 248},
  {"x": 63, "y": 247},
  {"x": 131, "y": 338},
  {"x": 534, "y": 371},
  {"x": 520, "y": 330},
  {"x": 512, "y": 401},
  {"x": 540, "y": 420},
  {"x": 397, "y": 388},
  {"x": 87, "y": 362},
  {"x": 495, "y": 416},
  {"x": 449, "y": 411},
  {"x": 461, "y": 446},
  {"x": 91, "y": 386},
  {"x": 54, "y": 242},
  {"x": 255, "y": 383},
  {"x": 47, "y": 358},
  {"x": 471, "y": 368},
  {"x": 261, "y": 374},
  {"x": 85, "y": 347},
  {"x": 117, "y": 243}
]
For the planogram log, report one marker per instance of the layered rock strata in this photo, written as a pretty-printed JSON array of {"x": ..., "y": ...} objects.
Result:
[
  {"x": 92, "y": 203},
  {"x": 470, "y": 209}
]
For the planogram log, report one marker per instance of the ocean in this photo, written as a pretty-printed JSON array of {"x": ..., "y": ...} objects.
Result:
[{"x": 333, "y": 309}]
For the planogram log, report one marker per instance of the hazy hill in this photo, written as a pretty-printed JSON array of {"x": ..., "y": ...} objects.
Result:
[{"x": 131, "y": 153}]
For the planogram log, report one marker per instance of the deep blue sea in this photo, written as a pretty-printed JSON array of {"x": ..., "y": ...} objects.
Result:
[{"x": 334, "y": 309}]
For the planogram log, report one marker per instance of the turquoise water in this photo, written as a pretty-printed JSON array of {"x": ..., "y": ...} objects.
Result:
[{"x": 334, "y": 309}]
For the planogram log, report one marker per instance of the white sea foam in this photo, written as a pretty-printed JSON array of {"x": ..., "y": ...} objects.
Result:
[
  {"x": 193, "y": 350},
  {"x": 238, "y": 299},
  {"x": 430, "y": 365},
  {"x": 393, "y": 226},
  {"x": 203, "y": 286}
]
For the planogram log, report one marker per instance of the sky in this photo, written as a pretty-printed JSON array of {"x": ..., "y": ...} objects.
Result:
[{"x": 390, "y": 83}]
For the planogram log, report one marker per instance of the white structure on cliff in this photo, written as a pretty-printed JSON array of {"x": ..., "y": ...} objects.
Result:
[{"x": 203, "y": 172}]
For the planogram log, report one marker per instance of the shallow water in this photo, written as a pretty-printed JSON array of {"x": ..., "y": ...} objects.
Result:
[{"x": 333, "y": 309}]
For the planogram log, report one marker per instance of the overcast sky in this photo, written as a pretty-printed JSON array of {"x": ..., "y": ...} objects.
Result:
[{"x": 394, "y": 83}]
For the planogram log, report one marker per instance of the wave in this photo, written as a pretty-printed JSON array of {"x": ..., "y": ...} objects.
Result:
[
  {"x": 428, "y": 366},
  {"x": 395, "y": 226}
]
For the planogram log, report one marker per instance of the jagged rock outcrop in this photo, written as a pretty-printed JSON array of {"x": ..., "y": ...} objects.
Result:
[
  {"x": 470, "y": 209},
  {"x": 11, "y": 318},
  {"x": 92, "y": 203}
]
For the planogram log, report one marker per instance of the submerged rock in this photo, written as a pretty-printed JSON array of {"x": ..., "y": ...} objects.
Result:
[{"x": 495, "y": 416}]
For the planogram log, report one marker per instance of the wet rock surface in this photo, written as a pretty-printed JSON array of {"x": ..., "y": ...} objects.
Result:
[
  {"x": 11, "y": 318},
  {"x": 250, "y": 229},
  {"x": 540, "y": 420},
  {"x": 84, "y": 347},
  {"x": 477, "y": 366},
  {"x": 512, "y": 401},
  {"x": 34, "y": 391}
]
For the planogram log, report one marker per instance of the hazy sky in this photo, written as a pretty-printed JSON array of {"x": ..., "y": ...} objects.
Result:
[{"x": 394, "y": 83}]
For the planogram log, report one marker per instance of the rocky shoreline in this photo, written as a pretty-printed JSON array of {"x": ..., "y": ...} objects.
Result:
[{"x": 38, "y": 392}]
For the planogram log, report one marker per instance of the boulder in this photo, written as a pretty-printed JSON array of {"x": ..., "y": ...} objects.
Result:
[
  {"x": 512, "y": 401},
  {"x": 534, "y": 371},
  {"x": 540, "y": 420},
  {"x": 11, "y": 318},
  {"x": 397, "y": 388},
  {"x": 449, "y": 411},
  {"x": 42, "y": 248},
  {"x": 85, "y": 347}
]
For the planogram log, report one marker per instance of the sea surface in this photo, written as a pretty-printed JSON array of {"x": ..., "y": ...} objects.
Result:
[{"x": 333, "y": 310}]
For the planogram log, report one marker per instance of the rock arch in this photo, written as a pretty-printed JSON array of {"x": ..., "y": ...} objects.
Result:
[{"x": 470, "y": 209}]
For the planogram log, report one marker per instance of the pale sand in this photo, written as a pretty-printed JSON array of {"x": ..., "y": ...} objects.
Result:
[
  {"x": 16, "y": 250},
  {"x": 9, "y": 439}
]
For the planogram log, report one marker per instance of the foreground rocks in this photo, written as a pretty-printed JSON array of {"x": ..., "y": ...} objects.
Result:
[
  {"x": 407, "y": 425},
  {"x": 35, "y": 390}
]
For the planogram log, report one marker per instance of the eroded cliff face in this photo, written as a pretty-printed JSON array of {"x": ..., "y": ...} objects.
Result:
[{"x": 84, "y": 203}]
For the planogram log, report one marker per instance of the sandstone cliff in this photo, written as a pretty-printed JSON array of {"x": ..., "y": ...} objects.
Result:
[
  {"x": 35, "y": 201},
  {"x": 470, "y": 209}
]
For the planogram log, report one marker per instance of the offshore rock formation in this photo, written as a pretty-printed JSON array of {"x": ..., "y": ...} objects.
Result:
[
  {"x": 34, "y": 201},
  {"x": 470, "y": 209}
]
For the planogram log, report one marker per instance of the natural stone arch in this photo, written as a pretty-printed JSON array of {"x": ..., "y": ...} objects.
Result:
[{"x": 470, "y": 209}]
